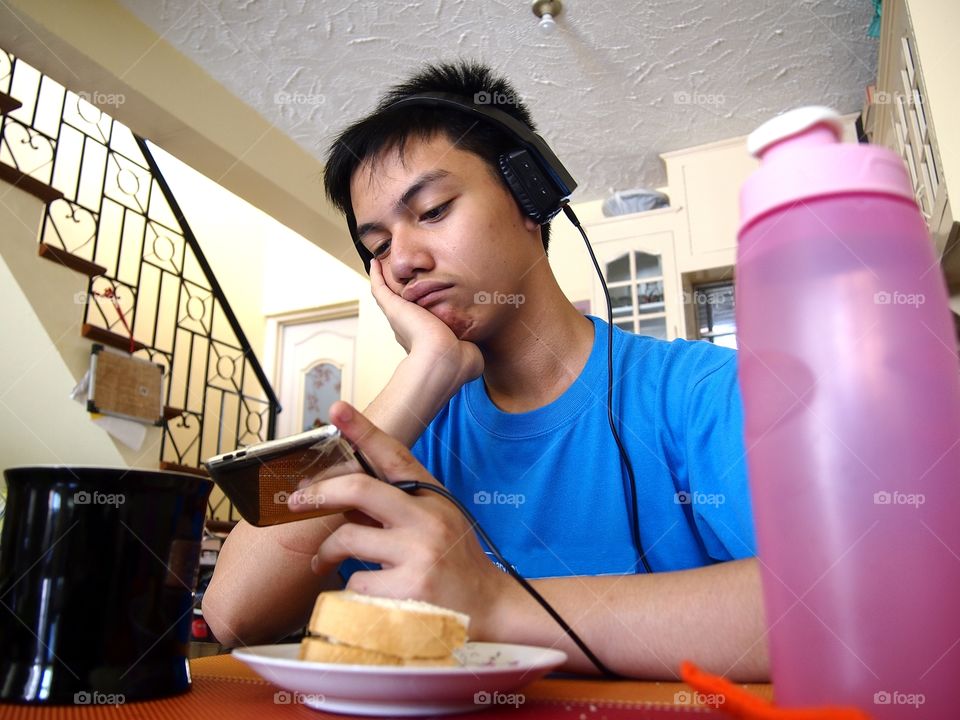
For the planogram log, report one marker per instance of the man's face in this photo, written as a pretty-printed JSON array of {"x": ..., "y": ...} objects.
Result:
[{"x": 447, "y": 233}]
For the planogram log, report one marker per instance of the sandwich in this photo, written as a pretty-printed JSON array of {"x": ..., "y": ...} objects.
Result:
[{"x": 347, "y": 627}]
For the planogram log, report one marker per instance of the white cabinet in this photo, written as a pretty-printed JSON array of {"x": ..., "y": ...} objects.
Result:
[
  {"x": 704, "y": 182},
  {"x": 636, "y": 255},
  {"x": 913, "y": 111}
]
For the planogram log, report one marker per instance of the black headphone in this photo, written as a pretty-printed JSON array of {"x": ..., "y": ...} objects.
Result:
[{"x": 537, "y": 179}]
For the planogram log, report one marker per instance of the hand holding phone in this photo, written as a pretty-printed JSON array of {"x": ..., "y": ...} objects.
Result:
[{"x": 259, "y": 479}]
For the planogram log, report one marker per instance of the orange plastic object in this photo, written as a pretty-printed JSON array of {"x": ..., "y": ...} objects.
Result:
[{"x": 738, "y": 703}]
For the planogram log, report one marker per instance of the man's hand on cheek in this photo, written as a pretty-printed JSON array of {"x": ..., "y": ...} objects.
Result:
[
  {"x": 422, "y": 334},
  {"x": 426, "y": 548},
  {"x": 411, "y": 323}
]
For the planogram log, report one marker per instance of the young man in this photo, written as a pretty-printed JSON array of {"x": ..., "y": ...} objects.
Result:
[{"x": 504, "y": 403}]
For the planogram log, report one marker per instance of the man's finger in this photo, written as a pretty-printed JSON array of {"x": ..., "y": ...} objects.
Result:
[
  {"x": 382, "y": 503},
  {"x": 379, "y": 288},
  {"x": 388, "y": 456},
  {"x": 364, "y": 543}
]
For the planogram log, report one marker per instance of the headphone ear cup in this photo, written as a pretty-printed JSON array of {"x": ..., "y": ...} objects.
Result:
[
  {"x": 519, "y": 191},
  {"x": 536, "y": 196}
]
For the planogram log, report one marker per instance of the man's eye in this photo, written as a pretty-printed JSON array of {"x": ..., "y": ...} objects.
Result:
[
  {"x": 380, "y": 250},
  {"x": 435, "y": 213}
]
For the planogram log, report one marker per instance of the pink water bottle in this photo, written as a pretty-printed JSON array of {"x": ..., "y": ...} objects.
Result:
[{"x": 851, "y": 387}]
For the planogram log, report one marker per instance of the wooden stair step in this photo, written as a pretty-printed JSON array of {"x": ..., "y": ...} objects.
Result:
[
  {"x": 169, "y": 413},
  {"x": 120, "y": 342},
  {"x": 79, "y": 264},
  {"x": 188, "y": 469},
  {"x": 8, "y": 104},
  {"x": 29, "y": 184},
  {"x": 222, "y": 526}
]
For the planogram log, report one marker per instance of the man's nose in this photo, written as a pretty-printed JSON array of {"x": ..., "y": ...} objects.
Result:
[{"x": 409, "y": 253}]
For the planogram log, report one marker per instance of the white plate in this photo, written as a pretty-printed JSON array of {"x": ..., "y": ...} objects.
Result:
[{"x": 490, "y": 674}]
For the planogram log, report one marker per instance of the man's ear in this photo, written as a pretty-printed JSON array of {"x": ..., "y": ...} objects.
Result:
[{"x": 530, "y": 224}]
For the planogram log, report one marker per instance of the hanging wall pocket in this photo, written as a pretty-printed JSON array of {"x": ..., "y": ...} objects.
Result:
[{"x": 125, "y": 386}]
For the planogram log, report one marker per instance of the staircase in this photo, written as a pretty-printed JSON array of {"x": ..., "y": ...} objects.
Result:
[{"x": 110, "y": 216}]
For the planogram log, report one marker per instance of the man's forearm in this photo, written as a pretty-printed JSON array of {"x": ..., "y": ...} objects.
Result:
[
  {"x": 262, "y": 588},
  {"x": 415, "y": 393},
  {"x": 645, "y": 625}
]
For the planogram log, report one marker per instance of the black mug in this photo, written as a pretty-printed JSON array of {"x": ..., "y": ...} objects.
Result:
[{"x": 98, "y": 568}]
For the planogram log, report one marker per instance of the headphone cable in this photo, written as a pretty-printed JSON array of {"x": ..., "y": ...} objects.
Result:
[
  {"x": 634, "y": 512},
  {"x": 410, "y": 486}
]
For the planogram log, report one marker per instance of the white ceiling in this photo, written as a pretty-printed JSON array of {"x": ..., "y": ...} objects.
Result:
[{"x": 615, "y": 84}]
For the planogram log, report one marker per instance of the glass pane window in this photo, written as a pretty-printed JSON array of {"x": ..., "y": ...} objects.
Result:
[
  {"x": 654, "y": 327},
  {"x": 716, "y": 318},
  {"x": 321, "y": 388},
  {"x": 619, "y": 269},
  {"x": 621, "y": 301},
  {"x": 635, "y": 282},
  {"x": 647, "y": 265},
  {"x": 650, "y": 297}
]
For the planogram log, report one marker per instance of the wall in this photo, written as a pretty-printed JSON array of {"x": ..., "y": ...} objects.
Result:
[
  {"x": 568, "y": 256},
  {"x": 267, "y": 269},
  {"x": 43, "y": 356},
  {"x": 299, "y": 276},
  {"x": 101, "y": 49},
  {"x": 230, "y": 232}
]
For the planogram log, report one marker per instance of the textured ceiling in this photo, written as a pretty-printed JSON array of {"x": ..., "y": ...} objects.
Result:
[{"x": 615, "y": 84}]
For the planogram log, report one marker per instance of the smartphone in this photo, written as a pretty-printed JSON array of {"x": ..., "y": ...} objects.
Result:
[{"x": 259, "y": 479}]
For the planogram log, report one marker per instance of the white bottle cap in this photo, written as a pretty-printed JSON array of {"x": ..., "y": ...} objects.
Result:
[{"x": 792, "y": 122}]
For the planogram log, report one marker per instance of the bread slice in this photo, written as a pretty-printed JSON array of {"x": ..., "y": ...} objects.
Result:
[
  {"x": 318, "y": 649},
  {"x": 406, "y": 629}
]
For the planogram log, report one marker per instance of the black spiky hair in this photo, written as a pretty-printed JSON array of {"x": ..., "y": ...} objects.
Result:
[{"x": 387, "y": 129}]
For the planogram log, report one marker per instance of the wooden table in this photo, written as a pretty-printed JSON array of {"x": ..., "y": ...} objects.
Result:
[{"x": 226, "y": 688}]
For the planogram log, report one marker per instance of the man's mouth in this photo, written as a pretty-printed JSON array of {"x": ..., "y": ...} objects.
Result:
[{"x": 425, "y": 293}]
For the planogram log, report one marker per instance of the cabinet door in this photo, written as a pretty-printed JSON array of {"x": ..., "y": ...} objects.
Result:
[{"x": 642, "y": 279}]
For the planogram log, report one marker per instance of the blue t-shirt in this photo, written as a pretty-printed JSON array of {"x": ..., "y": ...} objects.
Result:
[{"x": 549, "y": 487}]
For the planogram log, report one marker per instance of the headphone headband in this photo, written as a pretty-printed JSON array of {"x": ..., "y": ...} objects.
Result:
[
  {"x": 520, "y": 131},
  {"x": 538, "y": 180}
]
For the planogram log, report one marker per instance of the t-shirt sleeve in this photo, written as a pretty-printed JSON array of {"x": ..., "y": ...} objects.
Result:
[{"x": 716, "y": 462}]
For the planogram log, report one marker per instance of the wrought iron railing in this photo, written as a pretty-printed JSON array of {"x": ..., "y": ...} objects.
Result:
[{"x": 151, "y": 282}]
